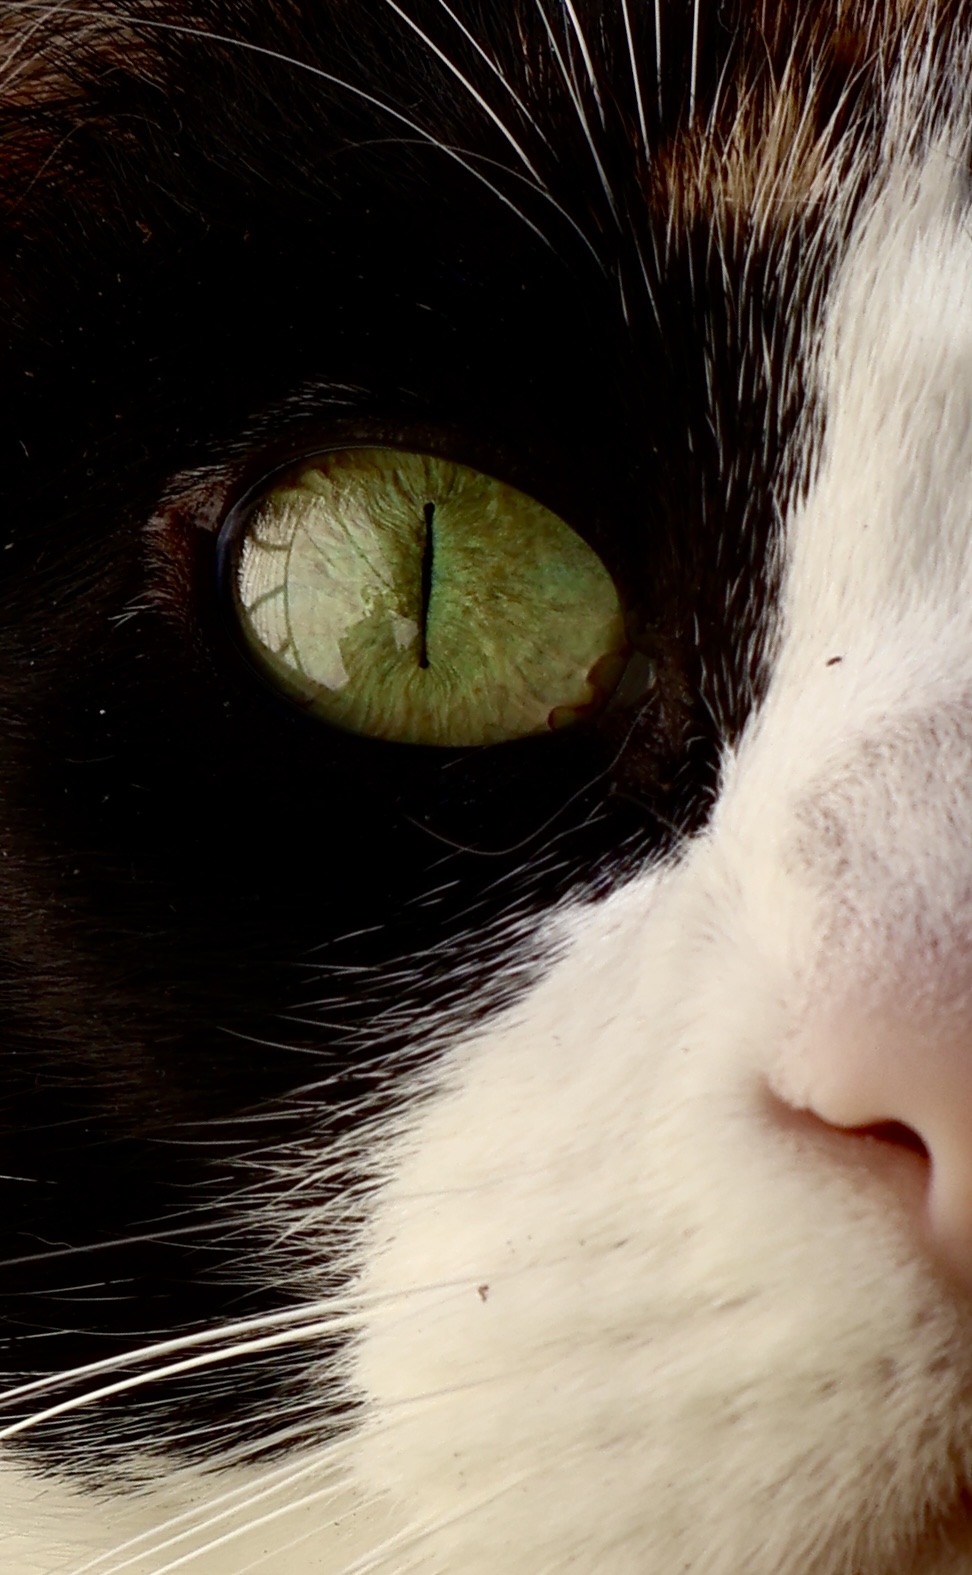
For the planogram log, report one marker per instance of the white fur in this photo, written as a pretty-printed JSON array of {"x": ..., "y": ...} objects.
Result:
[
  {"x": 718, "y": 1335},
  {"x": 632, "y": 1307}
]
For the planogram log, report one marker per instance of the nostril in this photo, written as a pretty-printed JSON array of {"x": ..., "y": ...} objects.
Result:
[
  {"x": 901, "y": 1085},
  {"x": 895, "y": 1133}
]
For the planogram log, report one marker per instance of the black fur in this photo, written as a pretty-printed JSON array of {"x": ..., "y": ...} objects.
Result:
[{"x": 235, "y": 233}]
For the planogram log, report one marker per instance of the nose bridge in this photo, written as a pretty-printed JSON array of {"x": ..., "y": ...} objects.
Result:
[
  {"x": 884, "y": 1030},
  {"x": 885, "y": 838}
]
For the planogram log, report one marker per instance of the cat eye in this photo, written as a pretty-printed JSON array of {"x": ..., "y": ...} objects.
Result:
[{"x": 409, "y": 598}]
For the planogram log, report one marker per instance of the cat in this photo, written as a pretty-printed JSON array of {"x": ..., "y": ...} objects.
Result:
[{"x": 486, "y": 834}]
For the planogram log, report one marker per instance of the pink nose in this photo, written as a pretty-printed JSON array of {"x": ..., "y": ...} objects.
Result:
[{"x": 907, "y": 1077}]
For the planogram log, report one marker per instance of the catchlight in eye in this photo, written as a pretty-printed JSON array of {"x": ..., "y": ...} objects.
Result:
[{"x": 406, "y": 597}]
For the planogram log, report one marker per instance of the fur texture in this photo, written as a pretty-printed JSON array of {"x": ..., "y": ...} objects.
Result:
[{"x": 555, "y": 1156}]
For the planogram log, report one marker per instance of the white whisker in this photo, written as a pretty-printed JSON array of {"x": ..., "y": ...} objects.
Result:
[
  {"x": 636, "y": 78},
  {"x": 414, "y": 1536},
  {"x": 401, "y": 1542},
  {"x": 208, "y": 1359},
  {"x": 646, "y": 281},
  {"x": 585, "y": 54},
  {"x": 459, "y": 156},
  {"x": 247, "y": 1337},
  {"x": 625, "y": 313},
  {"x": 575, "y": 98},
  {"x": 487, "y": 61},
  {"x": 165, "y": 1234},
  {"x": 695, "y": 60},
  {"x": 658, "y": 57},
  {"x": 254, "y": 1523},
  {"x": 17, "y": 47},
  {"x": 167, "y": 1534},
  {"x": 473, "y": 92},
  {"x": 171, "y": 1347}
]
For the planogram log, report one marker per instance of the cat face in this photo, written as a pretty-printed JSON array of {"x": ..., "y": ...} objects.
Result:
[{"x": 485, "y": 885}]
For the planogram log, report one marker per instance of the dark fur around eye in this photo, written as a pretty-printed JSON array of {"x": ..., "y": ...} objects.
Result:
[{"x": 231, "y": 232}]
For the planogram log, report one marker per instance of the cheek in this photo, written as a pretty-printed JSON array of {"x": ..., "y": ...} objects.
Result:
[{"x": 610, "y": 1269}]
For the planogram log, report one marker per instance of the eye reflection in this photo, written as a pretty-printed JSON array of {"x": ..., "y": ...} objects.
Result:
[{"x": 409, "y": 598}]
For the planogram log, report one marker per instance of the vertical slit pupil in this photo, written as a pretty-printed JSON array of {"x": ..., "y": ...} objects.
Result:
[{"x": 428, "y": 553}]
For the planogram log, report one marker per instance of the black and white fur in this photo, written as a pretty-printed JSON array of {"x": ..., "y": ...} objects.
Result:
[{"x": 549, "y": 1157}]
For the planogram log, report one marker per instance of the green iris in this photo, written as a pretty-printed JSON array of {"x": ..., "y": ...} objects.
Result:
[{"x": 409, "y": 598}]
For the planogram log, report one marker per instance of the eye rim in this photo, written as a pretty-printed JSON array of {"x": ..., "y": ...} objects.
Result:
[{"x": 230, "y": 535}]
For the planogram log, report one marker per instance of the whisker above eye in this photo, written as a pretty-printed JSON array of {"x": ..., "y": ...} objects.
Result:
[
  {"x": 635, "y": 77},
  {"x": 585, "y": 54},
  {"x": 459, "y": 155},
  {"x": 694, "y": 78},
  {"x": 658, "y": 57},
  {"x": 474, "y": 93},
  {"x": 570, "y": 84},
  {"x": 494, "y": 68}
]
